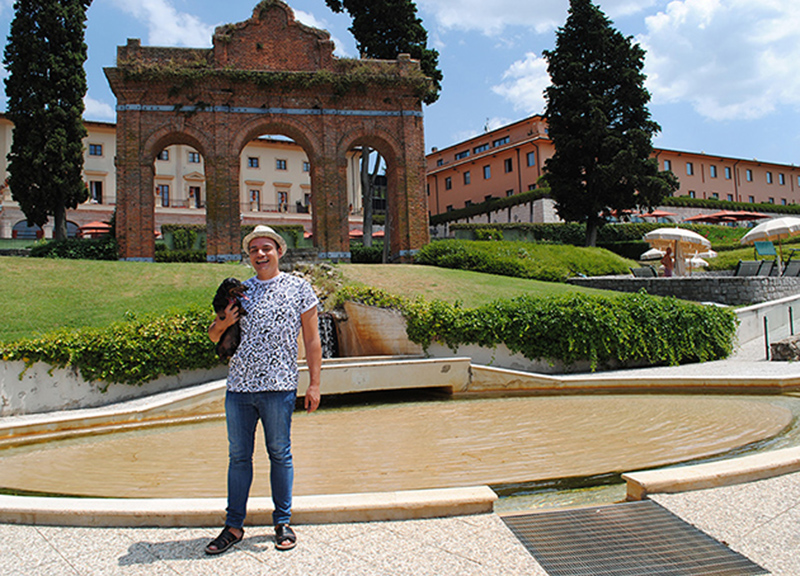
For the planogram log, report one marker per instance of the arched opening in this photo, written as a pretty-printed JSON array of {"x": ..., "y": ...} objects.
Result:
[
  {"x": 22, "y": 231},
  {"x": 179, "y": 178},
  {"x": 276, "y": 175},
  {"x": 371, "y": 165}
]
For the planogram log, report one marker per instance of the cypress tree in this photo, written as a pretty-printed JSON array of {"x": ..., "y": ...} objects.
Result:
[
  {"x": 599, "y": 123},
  {"x": 45, "y": 87}
]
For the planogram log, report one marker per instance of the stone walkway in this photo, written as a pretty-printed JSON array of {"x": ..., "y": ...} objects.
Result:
[{"x": 760, "y": 520}]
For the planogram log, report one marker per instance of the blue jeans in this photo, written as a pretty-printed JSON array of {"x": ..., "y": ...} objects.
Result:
[{"x": 243, "y": 410}]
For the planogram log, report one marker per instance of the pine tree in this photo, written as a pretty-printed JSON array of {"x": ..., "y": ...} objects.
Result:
[
  {"x": 599, "y": 123},
  {"x": 45, "y": 87}
]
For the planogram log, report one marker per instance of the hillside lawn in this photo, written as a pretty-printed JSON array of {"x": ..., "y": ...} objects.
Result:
[{"x": 40, "y": 295}]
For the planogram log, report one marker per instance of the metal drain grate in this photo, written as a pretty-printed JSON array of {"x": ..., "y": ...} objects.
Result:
[{"x": 630, "y": 539}]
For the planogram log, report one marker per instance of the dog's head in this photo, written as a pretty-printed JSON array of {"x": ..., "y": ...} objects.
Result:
[{"x": 229, "y": 290}]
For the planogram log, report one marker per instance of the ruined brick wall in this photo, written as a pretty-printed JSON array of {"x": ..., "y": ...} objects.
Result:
[{"x": 269, "y": 75}]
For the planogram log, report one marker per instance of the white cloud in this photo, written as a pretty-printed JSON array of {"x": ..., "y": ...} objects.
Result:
[
  {"x": 728, "y": 58},
  {"x": 97, "y": 110},
  {"x": 491, "y": 18},
  {"x": 166, "y": 25},
  {"x": 488, "y": 126},
  {"x": 311, "y": 20},
  {"x": 523, "y": 84}
]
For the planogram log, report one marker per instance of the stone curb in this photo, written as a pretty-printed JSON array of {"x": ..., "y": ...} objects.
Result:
[
  {"x": 171, "y": 512},
  {"x": 712, "y": 474}
]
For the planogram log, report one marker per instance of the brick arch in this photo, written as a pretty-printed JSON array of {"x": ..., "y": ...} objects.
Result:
[
  {"x": 268, "y": 74},
  {"x": 169, "y": 136}
]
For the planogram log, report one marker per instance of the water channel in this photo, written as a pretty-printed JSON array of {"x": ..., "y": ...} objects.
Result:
[{"x": 525, "y": 446}]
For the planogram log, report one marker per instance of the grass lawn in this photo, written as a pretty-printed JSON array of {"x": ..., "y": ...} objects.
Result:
[
  {"x": 432, "y": 283},
  {"x": 40, "y": 295}
]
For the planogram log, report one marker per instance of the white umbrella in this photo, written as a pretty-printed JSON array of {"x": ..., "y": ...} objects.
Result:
[
  {"x": 771, "y": 230},
  {"x": 652, "y": 254},
  {"x": 681, "y": 241}
]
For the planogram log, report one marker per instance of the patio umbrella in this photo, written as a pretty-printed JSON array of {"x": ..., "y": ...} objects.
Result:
[
  {"x": 652, "y": 254},
  {"x": 681, "y": 241},
  {"x": 771, "y": 230}
]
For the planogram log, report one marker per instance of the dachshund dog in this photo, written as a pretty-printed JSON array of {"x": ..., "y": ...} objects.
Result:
[{"x": 231, "y": 290}]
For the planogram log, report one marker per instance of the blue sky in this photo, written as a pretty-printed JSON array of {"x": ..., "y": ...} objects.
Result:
[{"x": 724, "y": 74}]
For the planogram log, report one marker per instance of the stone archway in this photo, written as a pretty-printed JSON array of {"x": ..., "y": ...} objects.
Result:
[{"x": 265, "y": 72}]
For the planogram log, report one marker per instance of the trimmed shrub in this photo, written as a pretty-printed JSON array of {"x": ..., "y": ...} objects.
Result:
[
  {"x": 360, "y": 254},
  {"x": 104, "y": 248},
  {"x": 629, "y": 328},
  {"x": 131, "y": 352},
  {"x": 548, "y": 262}
]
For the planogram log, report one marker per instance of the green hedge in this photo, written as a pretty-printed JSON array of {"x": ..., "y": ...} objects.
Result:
[
  {"x": 104, "y": 248},
  {"x": 131, "y": 352},
  {"x": 629, "y": 328},
  {"x": 548, "y": 262}
]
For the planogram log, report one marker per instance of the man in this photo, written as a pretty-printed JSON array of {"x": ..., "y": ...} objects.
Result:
[{"x": 262, "y": 382}]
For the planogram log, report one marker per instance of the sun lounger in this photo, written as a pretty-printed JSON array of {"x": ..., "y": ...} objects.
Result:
[
  {"x": 792, "y": 268},
  {"x": 765, "y": 268},
  {"x": 644, "y": 272},
  {"x": 746, "y": 268}
]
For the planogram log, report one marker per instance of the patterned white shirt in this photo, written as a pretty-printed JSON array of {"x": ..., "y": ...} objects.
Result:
[{"x": 266, "y": 360}]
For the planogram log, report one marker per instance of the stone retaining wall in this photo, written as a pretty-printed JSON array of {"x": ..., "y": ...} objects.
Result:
[{"x": 722, "y": 289}]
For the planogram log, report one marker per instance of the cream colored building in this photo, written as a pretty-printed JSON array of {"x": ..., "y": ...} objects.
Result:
[{"x": 274, "y": 184}]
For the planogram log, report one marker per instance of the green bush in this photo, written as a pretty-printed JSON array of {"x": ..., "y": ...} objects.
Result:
[
  {"x": 546, "y": 262},
  {"x": 360, "y": 254},
  {"x": 104, "y": 248},
  {"x": 166, "y": 255},
  {"x": 488, "y": 234},
  {"x": 131, "y": 352},
  {"x": 628, "y": 328}
]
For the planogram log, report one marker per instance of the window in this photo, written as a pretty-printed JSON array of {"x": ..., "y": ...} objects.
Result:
[
  {"x": 163, "y": 193},
  {"x": 448, "y": 183},
  {"x": 727, "y": 172},
  {"x": 691, "y": 194},
  {"x": 252, "y": 162},
  {"x": 715, "y": 195},
  {"x": 770, "y": 200},
  {"x": 194, "y": 157},
  {"x": 730, "y": 197},
  {"x": 163, "y": 155},
  {"x": 712, "y": 170},
  {"x": 467, "y": 203},
  {"x": 487, "y": 198},
  {"x": 440, "y": 161},
  {"x": 500, "y": 142},
  {"x": 255, "y": 200},
  {"x": 751, "y": 199},
  {"x": 508, "y": 165},
  {"x": 667, "y": 164},
  {"x": 280, "y": 164},
  {"x": 95, "y": 149},
  {"x": 749, "y": 175},
  {"x": 487, "y": 172},
  {"x": 466, "y": 178},
  {"x": 689, "y": 169},
  {"x": 96, "y": 191},
  {"x": 531, "y": 159},
  {"x": 783, "y": 201},
  {"x": 531, "y": 186},
  {"x": 769, "y": 177},
  {"x": 509, "y": 193},
  {"x": 481, "y": 148},
  {"x": 194, "y": 197},
  {"x": 462, "y": 155},
  {"x": 283, "y": 200},
  {"x": 781, "y": 179},
  {"x": 449, "y": 208},
  {"x": 306, "y": 166}
]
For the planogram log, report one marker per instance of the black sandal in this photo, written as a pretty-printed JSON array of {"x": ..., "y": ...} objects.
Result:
[
  {"x": 225, "y": 540},
  {"x": 285, "y": 538}
]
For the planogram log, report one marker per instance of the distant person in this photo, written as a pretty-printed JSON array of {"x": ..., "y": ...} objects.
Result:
[
  {"x": 262, "y": 382},
  {"x": 669, "y": 263}
]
